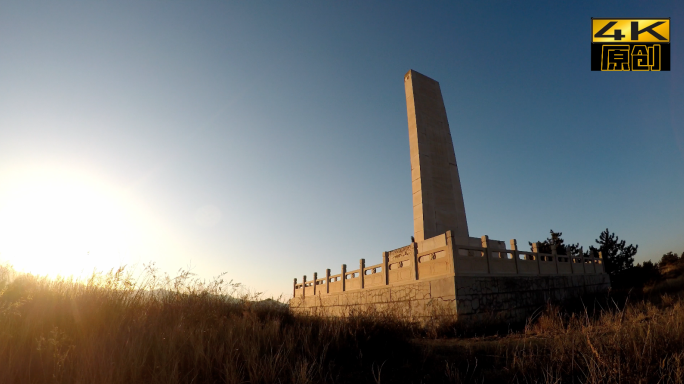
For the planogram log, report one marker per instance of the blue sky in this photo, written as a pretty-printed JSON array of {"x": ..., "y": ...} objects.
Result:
[{"x": 269, "y": 139}]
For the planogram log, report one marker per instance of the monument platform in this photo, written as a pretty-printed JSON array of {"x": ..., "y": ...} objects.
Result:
[{"x": 439, "y": 276}]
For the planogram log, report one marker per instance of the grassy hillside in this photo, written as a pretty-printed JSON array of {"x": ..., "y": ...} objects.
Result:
[{"x": 126, "y": 328}]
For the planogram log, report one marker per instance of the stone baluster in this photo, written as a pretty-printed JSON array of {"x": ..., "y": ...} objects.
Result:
[
  {"x": 581, "y": 257},
  {"x": 327, "y": 280},
  {"x": 535, "y": 249},
  {"x": 555, "y": 257},
  {"x": 452, "y": 250},
  {"x": 362, "y": 275},
  {"x": 485, "y": 245},
  {"x": 304, "y": 286},
  {"x": 344, "y": 277},
  {"x": 385, "y": 265},
  {"x": 315, "y": 283},
  {"x": 516, "y": 258},
  {"x": 414, "y": 247}
]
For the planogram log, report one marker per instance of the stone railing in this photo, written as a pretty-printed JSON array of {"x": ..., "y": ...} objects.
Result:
[{"x": 442, "y": 256}]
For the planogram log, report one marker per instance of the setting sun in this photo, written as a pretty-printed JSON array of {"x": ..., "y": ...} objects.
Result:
[{"x": 57, "y": 222}]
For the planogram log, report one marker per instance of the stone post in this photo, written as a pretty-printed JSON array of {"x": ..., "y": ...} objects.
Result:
[
  {"x": 514, "y": 248},
  {"x": 294, "y": 288},
  {"x": 344, "y": 277},
  {"x": 385, "y": 264},
  {"x": 555, "y": 258},
  {"x": 362, "y": 265},
  {"x": 581, "y": 257},
  {"x": 304, "y": 286},
  {"x": 485, "y": 245},
  {"x": 327, "y": 280},
  {"x": 315, "y": 282},
  {"x": 535, "y": 249},
  {"x": 415, "y": 261},
  {"x": 451, "y": 250}
]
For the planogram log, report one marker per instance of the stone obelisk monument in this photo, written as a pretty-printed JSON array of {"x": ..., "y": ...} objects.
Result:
[
  {"x": 445, "y": 271},
  {"x": 437, "y": 197}
]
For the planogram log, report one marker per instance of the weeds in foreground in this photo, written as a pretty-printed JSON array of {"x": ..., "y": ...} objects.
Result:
[{"x": 121, "y": 327}]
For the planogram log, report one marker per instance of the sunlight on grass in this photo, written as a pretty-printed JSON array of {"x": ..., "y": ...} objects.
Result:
[{"x": 127, "y": 326}]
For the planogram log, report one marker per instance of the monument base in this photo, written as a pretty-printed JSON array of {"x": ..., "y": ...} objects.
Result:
[
  {"x": 443, "y": 277},
  {"x": 469, "y": 298}
]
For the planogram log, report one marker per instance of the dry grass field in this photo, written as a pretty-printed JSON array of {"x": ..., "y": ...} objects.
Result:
[{"x": 122, "y": 327}]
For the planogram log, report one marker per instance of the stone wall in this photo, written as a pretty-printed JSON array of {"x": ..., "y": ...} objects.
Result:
[
  {"x": 515, "y": 298},
  {"x": 413, "y": 300},
  {"x": 472, "y": 298}
]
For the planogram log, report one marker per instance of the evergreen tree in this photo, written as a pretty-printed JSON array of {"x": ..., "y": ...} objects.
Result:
[
  {"x": 669, "y": 258},
  {"x": 617, "y": 256},
  {"x": 561, "y": 247}
]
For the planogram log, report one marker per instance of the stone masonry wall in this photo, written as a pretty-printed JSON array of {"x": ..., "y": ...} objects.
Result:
[
  {"x": 515, "y": 298},
  {"x": 413, "y": 300},
  {"x": 472, "y": 298}
]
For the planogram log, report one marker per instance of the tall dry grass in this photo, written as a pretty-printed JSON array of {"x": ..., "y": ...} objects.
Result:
[
  {"x": 123, "y": 327},
  {"x": 639, "y": 343},
  {"x": 120, "y": 327}
]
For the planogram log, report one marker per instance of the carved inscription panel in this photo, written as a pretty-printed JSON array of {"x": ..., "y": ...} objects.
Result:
[{"x": 401, "y": 253}]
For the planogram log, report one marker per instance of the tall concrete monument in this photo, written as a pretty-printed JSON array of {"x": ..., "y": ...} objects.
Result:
[
  {"x": 444, "y": 271},
  {"x": 437, "y": 197}
]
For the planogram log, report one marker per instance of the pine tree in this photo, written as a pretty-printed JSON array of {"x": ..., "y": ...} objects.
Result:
[
  {"x": 669, "y": 258},
  {"x": 617, "y": 256},
  {"x": 561, "y": 247}
]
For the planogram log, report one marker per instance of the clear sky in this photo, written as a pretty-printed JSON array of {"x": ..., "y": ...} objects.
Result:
[{"x": 269, "y": 139}]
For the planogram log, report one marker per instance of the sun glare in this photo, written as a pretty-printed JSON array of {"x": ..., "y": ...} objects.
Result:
[{"x": 58, "y": 223}]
